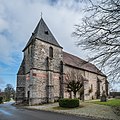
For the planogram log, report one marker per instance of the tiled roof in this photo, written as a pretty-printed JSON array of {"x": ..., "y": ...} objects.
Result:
[
  {"x": 77, "y": 62},
  {"x": 43, "y": 33}
]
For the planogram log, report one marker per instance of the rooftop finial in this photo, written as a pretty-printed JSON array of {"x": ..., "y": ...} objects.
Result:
[{"x": 41, "y": 14}]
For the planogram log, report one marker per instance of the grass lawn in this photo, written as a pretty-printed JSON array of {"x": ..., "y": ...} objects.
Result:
[{"x": 113, "y": 102}]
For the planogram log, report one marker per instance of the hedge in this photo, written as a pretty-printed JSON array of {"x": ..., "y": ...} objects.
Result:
[
  {"x": 69, "y": 103},
  {"x": 1, "y": 100}
]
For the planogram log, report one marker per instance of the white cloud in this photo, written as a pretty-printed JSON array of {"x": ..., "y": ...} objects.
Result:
[
  {"x": 20, "y": 19},
  {"x": 5, "y": 50},
  {"x": 2, "y": 82},
  {"x": 3, "y": 25}
]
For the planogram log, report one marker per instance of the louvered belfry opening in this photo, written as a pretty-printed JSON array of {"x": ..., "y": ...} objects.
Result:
[{"x": 50, "y": 52}]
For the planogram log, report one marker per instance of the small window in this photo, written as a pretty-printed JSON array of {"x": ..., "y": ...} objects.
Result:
[
  {"x": 50, "y": 52},
  {"x": 28, "y": 94},
  {"x": 46, "y": 32},
  {"x": 91, "y": 87}
]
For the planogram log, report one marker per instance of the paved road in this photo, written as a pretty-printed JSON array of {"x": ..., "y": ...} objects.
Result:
[{"x": 9, "y": 112}]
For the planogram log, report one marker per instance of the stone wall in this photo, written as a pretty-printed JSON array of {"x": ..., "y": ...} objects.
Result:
[
  {"x": 90, "y": 86},
  {"x": 28, "y": 56},
  {"x": 56, "y": 83},
  {"x": 40, "y": 76},
  {"x": 38, "y": 86},
  {"x": 20, "y": 89},
  {"x": 67, "y": 70},
  {"x": 41, "y": 52},
  {"x": 45, "y": 73},
  {"x": 102, "y": 84}
]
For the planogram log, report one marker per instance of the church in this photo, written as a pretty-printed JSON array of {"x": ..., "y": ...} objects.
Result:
[{"x": 45, "y": 68}]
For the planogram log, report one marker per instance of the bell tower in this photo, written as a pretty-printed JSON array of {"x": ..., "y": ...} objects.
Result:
[{"x": 43, "y": 56}]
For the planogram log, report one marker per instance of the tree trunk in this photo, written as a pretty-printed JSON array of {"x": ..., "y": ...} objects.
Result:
[{"x": 75, "y": 95}]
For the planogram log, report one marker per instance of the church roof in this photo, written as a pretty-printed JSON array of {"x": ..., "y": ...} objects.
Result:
[
  {"x": 43, "y": 33},
  {"x": 79, "y": 63}
]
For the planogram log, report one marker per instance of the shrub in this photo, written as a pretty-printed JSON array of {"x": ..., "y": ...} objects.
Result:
[
  {"x": 69, "y": 103},
  {"x": 7, "y": 100},
  {"x": 1, "y": 100}
]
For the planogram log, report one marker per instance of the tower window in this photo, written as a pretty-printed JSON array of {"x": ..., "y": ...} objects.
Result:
[
  {"x": 46, "y": 32},
  {"x": 50, "y": 52},
  {"x": 91, "y": 87}
]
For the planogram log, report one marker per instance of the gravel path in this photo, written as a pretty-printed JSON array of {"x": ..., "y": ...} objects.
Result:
[{"x": 86, "y": 109}]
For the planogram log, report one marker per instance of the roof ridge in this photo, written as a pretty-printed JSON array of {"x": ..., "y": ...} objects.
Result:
[
  {"x": 70, "y": 59},
  {"x": 80, "y": 59},
  {"x": 76, "y": 57}
]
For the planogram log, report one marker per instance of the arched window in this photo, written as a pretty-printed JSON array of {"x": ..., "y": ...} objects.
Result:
[
  {"x": 50, "y": 52},
  {"x": 91, "y": 87}
]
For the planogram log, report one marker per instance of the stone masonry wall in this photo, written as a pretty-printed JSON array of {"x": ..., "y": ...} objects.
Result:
[
  {"x": 20, "y": 89},
  {"x": 41, "y": 52},
  {"x": 56, "y": 83},
  {"x": 92, "y": 82},
  {"x": 102, "y": 84},
  {"x": 67, "y": 70},
  {"x": 91, "y": 87},
  {"x": 28, "y": 55},
  {"x": 38, "y": 87},
  {"x": 45, "y": 82},
  {"x": 42, "y": 75}
]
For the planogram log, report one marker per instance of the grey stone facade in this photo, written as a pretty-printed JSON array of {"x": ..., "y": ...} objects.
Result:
[{"x": 42, "y": 73}]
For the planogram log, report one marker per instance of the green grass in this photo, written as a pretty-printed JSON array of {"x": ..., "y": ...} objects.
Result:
[{"x": 113, "y": 102}]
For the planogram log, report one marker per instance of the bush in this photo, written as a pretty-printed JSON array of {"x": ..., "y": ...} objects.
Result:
[
  {"x": 1, "y": 100},
  {"x": 7, "y": 100},
  {"x": 69, "y": 103}
]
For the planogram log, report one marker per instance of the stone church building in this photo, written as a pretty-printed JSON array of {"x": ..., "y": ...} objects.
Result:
[{"x": 45, "y": 68}]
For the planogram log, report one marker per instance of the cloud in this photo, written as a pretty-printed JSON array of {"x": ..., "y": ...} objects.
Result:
[
  {"x": 71, "y": 5},
  {"x": 3, "y": 25},
  {"x": 19, "y": 19},
  {"x": 2, "y": 83}
]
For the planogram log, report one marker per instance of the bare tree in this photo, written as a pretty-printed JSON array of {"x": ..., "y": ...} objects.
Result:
[
  {"x": 74, "y": 82},
  {"x": 99, "y": 32}
]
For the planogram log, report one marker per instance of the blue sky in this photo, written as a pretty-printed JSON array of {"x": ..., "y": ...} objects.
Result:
[{"x": 18, "y": 19}]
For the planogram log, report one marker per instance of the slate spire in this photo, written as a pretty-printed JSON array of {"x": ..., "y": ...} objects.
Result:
[{"x": 43, "y": 33}]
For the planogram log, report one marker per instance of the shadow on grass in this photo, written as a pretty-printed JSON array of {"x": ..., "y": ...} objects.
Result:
[
  {"x": 114, "y": 103},
  {"x": 116, "y": 110},
  {"x": 62, "y": 108}
]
